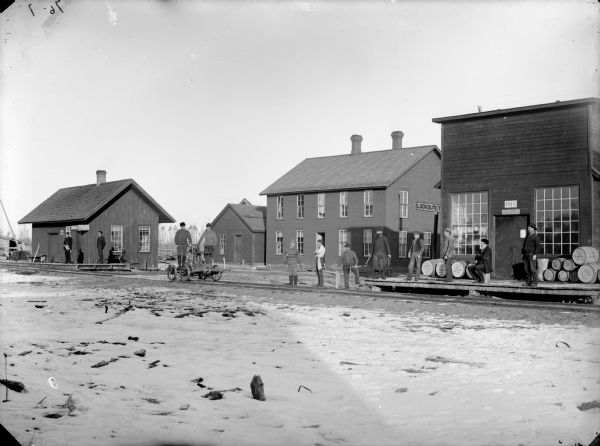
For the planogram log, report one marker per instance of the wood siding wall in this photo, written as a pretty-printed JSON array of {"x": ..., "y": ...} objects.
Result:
[
  {"x": 253, "y": 244},
  {"x": 509, "y": 156},
  {"x": 129, "y": 210}
]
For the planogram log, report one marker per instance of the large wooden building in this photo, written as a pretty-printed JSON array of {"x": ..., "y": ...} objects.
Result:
[
  {"x": 346, "y": 198},
  {"x": 505, "y": 168},
  {"x": 122, "y": 210},
  {"x": 241, "y": 231}
]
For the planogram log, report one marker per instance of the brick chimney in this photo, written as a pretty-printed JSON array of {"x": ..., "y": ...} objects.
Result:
[
  {"x": 100, "y": 177},
  {"x": 356, "y": 141},
  {"x": 397, "y": 139}
]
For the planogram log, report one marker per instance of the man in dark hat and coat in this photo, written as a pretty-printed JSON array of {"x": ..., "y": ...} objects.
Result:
[
  {"x": 415, "y": 254},
  {"x": 349, "y": 262},
  {"x": 448, "y": 252},
  {"x": 183, "y": 239},
  {"x": 382, "y": 255},
  {"x": 531, "y": 248},
  {"x": 482, "y": 269}
]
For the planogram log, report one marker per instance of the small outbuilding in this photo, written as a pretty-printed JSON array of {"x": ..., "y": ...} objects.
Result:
[
  {"x": 126, "y": 214},
  {"x": 241, "y": 231}
]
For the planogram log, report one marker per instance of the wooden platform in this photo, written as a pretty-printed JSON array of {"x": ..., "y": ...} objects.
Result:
[
  {"x": 557, "y": 290},
  {"x": 104, "y": 267}
]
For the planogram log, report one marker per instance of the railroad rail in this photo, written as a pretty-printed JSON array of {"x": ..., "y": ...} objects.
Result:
[{"x": 392, "y": 295}]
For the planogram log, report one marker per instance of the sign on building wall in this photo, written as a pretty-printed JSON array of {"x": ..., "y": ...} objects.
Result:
[
  {"x": 428, "y": 207},
  {"x": 510, "y": 204}
]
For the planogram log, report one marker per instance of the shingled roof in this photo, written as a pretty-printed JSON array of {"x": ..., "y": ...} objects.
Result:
[
  {"x": 363, "y": 170},
  {"x": 81, "y": 203},
  {"x": 252, "y": 216}
]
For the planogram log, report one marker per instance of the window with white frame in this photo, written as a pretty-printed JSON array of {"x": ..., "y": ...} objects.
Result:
[
  {"x": 300, "y": 240},
  {"x": 343, "y": 204},
  {"x": 427, "y": 245},
  {"x": 144, "y": 238},
  {"x": 368, "y": 203},
  {"x": 222, "y": 244},
  {"x": 116, "y": 237},
  {"x": 403, "y": 197},
  {"x": 278, "y": 242},
  {"x": 320, "y": 205},
  {"x": 402, "y": 243},
  {"x": 557, "y": 218},
  {"x": 367, "y": 242},
  {"x": 342, "y": 238},
  {"x": 280, "y": 207},
  {"x": 300, "y": 206},
  {"x": 469, "y": 220}
]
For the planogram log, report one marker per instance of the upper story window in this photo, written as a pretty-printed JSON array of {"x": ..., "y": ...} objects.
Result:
[
  {"x": 368, "y": 203},
  {"x": 469, "y": 220},
  {"x": 343, "y": 204},
  {"x": 280, "y": 207},
  {"x": 320, "y": 205},
  {"x": 557, "y": 218},
  {"x": 144, "y": 238},
  {"x": 300, "y": 206},
  {"x": 116, "y": 237},
  {"x": 403, "y": 197}
]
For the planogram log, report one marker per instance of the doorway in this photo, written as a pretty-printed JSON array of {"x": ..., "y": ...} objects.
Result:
[
  {"x": 237, "y": 249},
  {"x": 508, "y": 243}
]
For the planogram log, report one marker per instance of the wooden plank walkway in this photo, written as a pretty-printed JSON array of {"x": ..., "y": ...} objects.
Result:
[{"x": 505, "y": 286}]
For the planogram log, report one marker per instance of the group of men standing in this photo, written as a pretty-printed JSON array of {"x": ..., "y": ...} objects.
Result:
[
  {"x": 206, "y": 247},
  {"x": 68, "y": 247}
]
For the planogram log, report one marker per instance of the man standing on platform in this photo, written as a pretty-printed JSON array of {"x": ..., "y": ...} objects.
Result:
[
  {"x": 448, "y": 252},
  {"x": 349, "y": 262},
  {"x": 382, "y": 255},
  {"x": 531, "y": 247},
  {"x": 416, "y": 255},
  {"x": 100, "y": 244},
  {"x": 67, "y": 246}
]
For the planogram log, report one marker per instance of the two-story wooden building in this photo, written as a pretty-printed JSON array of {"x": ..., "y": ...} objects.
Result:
[
  {"x": 346, "y": 198},
  {"x": 505, "y": 168},
  {"x": 122, "y": 210}
]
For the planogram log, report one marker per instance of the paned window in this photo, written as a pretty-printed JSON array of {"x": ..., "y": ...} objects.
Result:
[
  {"x": 278, "y": 242},
  {"x": 427, "y": 245},
  {"x": 343, "y": 204},
  {"x": 367, "y": 242},
  {"x": 402, "y": 243},
  {"x": 144, "y": 238},
  {"x": 403, "y": 197},
  {"x": 342, "y": 238},
  {"x": 469, "y": 220},
  {"x": 368, "y": 203},
  {"x": 116, "y": 237},
  {"x": 300, "y": 206},
  {"x": 300, "y": 240},
  {"x": 279, "y": 207},
  {"x": 222, "y": 244},
  {"x": 557, "y": 219},
  {"x": 320, "y": 205}
]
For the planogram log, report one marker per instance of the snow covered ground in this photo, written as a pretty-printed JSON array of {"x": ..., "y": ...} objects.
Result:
[{"x": 337, "y": 371}]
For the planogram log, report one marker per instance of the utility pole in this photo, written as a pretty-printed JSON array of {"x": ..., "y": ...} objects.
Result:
[{"x": 9, "y": 225}]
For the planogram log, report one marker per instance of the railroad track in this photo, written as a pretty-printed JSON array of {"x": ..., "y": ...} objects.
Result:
[{"x": 393, "y": 295}]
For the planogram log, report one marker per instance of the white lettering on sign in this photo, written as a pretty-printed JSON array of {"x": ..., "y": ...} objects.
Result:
[
  {"x": 510, "y": 204},
  {"x": 429, "y": 207}
]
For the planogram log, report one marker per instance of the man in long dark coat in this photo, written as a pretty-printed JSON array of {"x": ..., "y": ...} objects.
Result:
[
  {"x": 382, "y": 255},
  {"x": 531, "y": 248}
]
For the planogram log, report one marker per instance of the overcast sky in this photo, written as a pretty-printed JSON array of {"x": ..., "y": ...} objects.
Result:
[{"x": 206, "y": 103}]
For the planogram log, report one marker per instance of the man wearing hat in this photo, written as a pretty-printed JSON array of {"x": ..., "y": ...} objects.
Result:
[
  {"x": 209, "y": 239},
  {"x": 482, "y": 268},
  {"x": 531, "y": 248},
  {"x": 448, "y": 252},
  {"x": 291, "y": 258},
  {"x": 183, "y": 239},
  {"x": 381, "y": 254},
  {"x": 349, "y": 261},
  {"x": 415, "y": 254}
]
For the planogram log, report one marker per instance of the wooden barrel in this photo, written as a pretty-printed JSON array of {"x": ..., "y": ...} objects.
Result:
[
  {"x": 440, "y": 269},
  {"x": 428, "y": 266},
  {"x": 585, "y": 254},
  {"x": 469, "y": 273},
  {"x": 569, "y": 265},
  {"x": 573, "y": 276},
  {"x": 458, "y": 269},
  {"x": 588, "y": 272},
  {"x": 550, "y": 275},
  {"x": 563, "y": 276},
  {"x": 557, "y": 263}
]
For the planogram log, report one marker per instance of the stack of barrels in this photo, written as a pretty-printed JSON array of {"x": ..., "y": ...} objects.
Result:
[
  {"x": 583, "y": 266},
  {"x": 437, "y": 267}
]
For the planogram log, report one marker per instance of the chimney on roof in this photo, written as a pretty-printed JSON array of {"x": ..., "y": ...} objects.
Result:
[
  {"x": 397, "y": 139},
  {"x": 356, "y": 141},
  {"x": 100, "y": 177}
]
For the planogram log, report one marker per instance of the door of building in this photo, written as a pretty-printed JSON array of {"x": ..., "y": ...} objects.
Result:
[
  {"x": 508, "y": 242},
  {"x": 237, "y": 249}
]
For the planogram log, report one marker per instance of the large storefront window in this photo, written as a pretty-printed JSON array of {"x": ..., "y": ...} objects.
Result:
[
  {"x": 469, "y": 220},
  {"x": 557, "y": 218}
]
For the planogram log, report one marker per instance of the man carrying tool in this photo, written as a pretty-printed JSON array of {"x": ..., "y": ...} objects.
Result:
[{"x": 382, "y": 255}]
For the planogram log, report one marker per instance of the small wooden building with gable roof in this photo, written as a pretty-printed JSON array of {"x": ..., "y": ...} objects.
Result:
[
  {"x": 127, "y": 216},
  {"x": 241, "y": 231}
]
